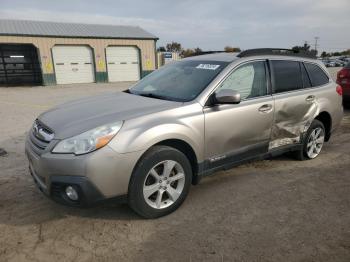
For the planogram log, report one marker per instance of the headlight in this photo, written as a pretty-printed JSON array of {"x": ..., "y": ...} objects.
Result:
[{"x": 88, "y": 141}]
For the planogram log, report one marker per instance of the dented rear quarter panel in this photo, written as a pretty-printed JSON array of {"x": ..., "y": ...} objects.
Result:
[{"x": 294, "y": 114}]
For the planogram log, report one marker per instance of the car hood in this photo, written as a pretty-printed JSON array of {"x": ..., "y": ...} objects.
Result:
[{"x": 81, "y": 115}]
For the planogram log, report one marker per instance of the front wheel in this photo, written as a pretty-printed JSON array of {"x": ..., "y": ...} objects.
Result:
[{"x": 160, "y": 182}]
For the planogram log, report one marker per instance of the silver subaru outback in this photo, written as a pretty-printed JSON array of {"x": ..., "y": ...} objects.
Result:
[{"x": 148, "y": 144}]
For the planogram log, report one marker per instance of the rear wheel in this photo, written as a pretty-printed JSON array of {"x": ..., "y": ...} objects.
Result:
[
  {"x": 160, "y": 182},
  {"x": 312, "y": 142}
]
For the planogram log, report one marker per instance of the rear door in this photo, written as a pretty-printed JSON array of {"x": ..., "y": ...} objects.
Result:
[{"x": 295, "y": 102}]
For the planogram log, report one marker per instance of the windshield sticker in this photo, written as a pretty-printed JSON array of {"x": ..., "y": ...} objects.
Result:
[{"x": 208, "y": 66}]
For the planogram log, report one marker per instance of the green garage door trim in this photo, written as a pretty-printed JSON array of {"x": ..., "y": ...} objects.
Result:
[{"x": 101, "y": 77}]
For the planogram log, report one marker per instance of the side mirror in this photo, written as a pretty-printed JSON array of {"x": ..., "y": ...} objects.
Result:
[{"x": 227, "y": 96}]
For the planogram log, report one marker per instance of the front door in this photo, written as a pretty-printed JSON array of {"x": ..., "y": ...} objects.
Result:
[{"x": 234, "y": 132}]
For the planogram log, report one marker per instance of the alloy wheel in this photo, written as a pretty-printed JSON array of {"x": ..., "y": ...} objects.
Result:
[
  {"x": 315, "y": 142},
  {"x": 164, "y": 184}
]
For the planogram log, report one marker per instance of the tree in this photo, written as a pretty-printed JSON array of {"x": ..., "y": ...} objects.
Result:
[
  {"x": 197, "y": 50},
  {"x": 230, "y": 49},
  {"x": 173, "y": 47},
  {"x": 305, "y": 48},
  {"x": 161, "y": 49},
  {"x": 324, "y": 54},
  {"x": 187, "y": 52},
  {"x": 346, "y": 52}
]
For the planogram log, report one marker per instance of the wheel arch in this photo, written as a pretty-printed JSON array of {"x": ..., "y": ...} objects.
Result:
[
  {"x": 326, "y": 120},
  {"x": 185, "y": 148}
]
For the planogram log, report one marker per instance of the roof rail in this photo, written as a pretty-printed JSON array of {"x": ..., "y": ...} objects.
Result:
[
  {"x": 277, "y": 51},
  {"x": 206, "y": 53}
]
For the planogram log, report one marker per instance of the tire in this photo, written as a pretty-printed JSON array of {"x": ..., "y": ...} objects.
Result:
[
  {"x": 167, "y": 173},
  {"x": 306, "y": 153}
]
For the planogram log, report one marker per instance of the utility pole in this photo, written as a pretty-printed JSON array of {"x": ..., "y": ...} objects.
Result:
[{"x": 316, "y": 42}]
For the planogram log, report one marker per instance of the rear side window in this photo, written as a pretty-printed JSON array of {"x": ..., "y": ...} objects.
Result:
[
  {"x": 287, "y": 76},
  {"x": 317, "y": 76}
]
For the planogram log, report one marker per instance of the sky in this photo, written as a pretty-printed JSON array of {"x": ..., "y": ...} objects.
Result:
[{"x": 208, "y": 24}]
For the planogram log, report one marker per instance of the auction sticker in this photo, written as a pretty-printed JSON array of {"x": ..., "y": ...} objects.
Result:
[{"x": 208, "y": 66}]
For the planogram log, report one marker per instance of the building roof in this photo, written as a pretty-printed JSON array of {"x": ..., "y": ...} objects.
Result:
[{"x": 54, "y": 29}]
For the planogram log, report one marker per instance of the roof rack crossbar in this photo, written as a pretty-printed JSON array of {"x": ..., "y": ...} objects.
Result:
[{"x": 276, "y": 51}]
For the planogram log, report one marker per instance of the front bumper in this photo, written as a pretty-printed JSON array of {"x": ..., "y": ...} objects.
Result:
[
  {"x": 96, "y": 176},
  {"x": 88, "y": 194}
]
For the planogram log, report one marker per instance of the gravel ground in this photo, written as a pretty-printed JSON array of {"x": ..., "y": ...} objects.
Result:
[{"x": 271, "y": 210}]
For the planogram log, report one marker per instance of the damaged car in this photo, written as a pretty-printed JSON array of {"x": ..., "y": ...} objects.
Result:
[{"x": 190, "y": 118}]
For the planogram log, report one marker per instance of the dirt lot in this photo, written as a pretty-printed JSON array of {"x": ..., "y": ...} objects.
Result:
[{"x": 272, "y": 210}]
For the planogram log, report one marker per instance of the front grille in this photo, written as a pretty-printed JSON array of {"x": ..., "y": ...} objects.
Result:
[
  {"x": 40, "y": 137},
  {"x": 57, "y": 189}
]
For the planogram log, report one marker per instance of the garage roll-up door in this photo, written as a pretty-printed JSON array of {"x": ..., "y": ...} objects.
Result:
[
  {"x": 73, "y": 64},
  {"x": 123, "y": 63}
]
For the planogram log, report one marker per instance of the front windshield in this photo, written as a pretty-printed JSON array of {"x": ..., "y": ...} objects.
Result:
[{"x": 179, "y": 81}]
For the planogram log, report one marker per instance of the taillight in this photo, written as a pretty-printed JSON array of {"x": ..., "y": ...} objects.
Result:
[{"x": 339, "y": 90}]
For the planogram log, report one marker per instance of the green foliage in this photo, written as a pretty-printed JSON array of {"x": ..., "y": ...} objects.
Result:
[
  {"x": 197, "y": 50},
  {"x": 324, "y": 54},
  {"x": 342, "y": 53},
  {"x": 173, "y": 47},
  {"x": 230, "y": 49},
  {"x": 187, "y": 52},
  {"x": 304, "y": 48},
  {"x": 161, "y": 49}
]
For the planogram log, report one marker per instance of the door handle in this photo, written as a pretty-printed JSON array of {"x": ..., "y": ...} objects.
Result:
[
  {"x": 310, "y": 98},
  {"x": 265, "y": 108}
]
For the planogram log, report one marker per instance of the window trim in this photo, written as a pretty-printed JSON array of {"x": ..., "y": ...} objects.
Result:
[
  {"x": 302, "y": 75},
  {"x": 267, "y": 76}
]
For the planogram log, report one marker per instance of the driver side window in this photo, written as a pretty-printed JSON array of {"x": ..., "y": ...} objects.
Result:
[{"x": 249, "y": 80}]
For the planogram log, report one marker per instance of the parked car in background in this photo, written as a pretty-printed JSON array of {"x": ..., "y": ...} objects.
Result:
[
  {"x": 334, "y": 62},
  {"x": 329, "y": 63},
  {"x": 343, "y": 79},
  {"x": 180, "y": 123},
  {"x": 325, "y": 62},
  {"x": 339, "y": 63}
]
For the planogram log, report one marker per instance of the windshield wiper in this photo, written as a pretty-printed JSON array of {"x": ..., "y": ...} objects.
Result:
[{"x": 152, "y": 95}]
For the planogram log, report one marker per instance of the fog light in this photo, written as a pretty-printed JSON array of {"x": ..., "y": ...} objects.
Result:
[{"x": 71, "y": 193}]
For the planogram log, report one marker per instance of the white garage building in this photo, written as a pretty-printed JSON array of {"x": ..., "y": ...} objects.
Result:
[{"x": 35, "y": 53}]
